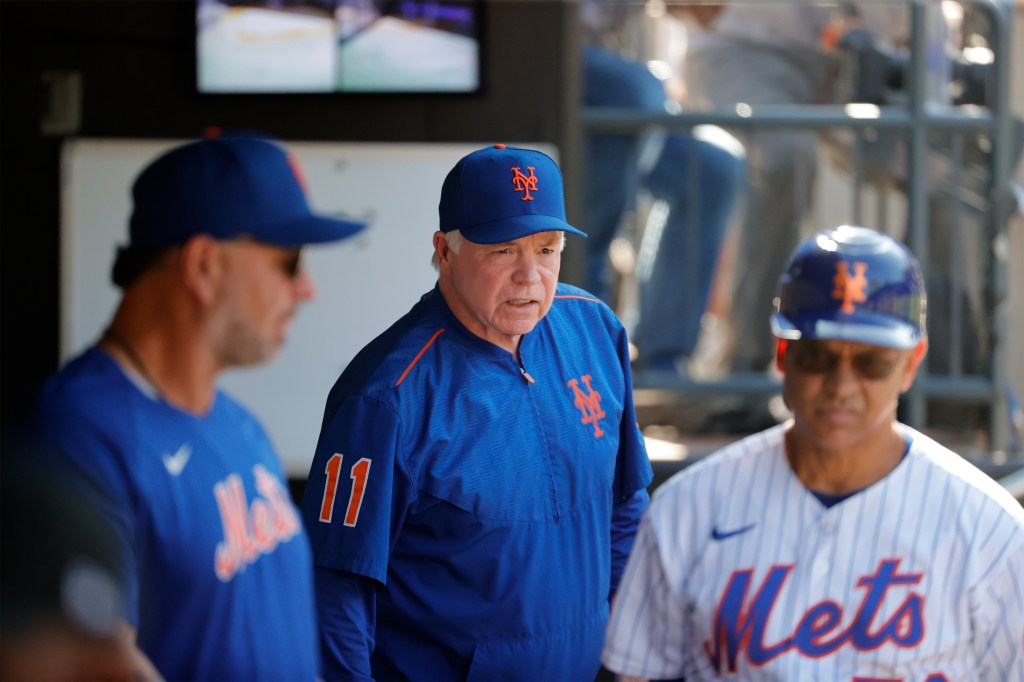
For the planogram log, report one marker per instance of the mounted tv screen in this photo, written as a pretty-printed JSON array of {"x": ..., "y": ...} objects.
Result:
[{"x": 323, "y": 46}]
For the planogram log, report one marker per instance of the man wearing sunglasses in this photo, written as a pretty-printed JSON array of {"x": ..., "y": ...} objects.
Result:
[
  {"x": 841, "y": 544},
  {"x": 215, "y": 559}
]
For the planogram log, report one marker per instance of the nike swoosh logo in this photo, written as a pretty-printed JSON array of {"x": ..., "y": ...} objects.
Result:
[
  {"x": 723, "y": 534},
  {"x": 175, "y": 463}
]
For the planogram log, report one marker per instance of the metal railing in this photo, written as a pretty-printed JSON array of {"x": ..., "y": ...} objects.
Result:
[{"x": 918, "y": 121}]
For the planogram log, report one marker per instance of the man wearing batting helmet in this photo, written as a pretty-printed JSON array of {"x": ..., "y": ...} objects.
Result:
[
  {"x": 217, "y": 565},
  {"x": 480, "y": 473},
  {"x": 842, "y": 544}
]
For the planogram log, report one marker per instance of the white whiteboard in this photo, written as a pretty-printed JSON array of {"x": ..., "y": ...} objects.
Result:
[{"x": 364, "y": 284}]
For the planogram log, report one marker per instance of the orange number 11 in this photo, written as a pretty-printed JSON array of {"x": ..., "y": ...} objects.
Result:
[{"x": 355, "y": 499}]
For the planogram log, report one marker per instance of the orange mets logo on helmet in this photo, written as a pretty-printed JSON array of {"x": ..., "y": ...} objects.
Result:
[
  {"x": 524, "y": 183},
  {"x": 849, "y": 289},
  {"x": 589, "y": 404}
]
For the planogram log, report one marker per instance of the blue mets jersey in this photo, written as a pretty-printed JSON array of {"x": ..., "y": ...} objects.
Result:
[
  {"x": 217, "y": 563},
  {"x": 483, "y": 495},
  {"x": 740, "y": 572}
]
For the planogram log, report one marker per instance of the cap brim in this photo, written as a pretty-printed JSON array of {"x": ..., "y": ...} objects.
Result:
[
  {"x": 312, "y": 230},
  {"x": 874, "y": 332},
  {"x": 510, "y": 229}
]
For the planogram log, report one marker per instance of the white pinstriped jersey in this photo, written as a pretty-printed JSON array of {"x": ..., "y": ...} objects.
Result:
[{"x": 739, "y": 571}]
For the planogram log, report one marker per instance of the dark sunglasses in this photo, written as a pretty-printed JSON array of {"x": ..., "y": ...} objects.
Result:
[
  {"x": 814, "y": 357},
  {"x": 291, "y": 264},
  {"x": 288, "y": 259}
]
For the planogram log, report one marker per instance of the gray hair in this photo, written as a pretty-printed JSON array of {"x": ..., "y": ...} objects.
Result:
[{"x": 454, "y": 239}]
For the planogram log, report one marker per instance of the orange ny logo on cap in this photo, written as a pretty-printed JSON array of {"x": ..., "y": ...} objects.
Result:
[
  {"x": 849, "y": 289},
  {"x": 524, "y": 183}
]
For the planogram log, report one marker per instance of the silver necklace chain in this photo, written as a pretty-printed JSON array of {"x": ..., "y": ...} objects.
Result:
[{"x": 133, "y": 357}]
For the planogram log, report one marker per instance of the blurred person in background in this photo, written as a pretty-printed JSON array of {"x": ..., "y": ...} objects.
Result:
[{"x": 697, "y": 176}]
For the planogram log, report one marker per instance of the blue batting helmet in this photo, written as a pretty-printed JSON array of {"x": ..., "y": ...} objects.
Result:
[{"x": 852, "y": 284}]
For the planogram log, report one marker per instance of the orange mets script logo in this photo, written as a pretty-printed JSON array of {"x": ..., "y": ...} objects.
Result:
[
  {"x": 849, "y": 289},
  {"x": 589, "y": 404},
  {"x": 524, "y": 183}
]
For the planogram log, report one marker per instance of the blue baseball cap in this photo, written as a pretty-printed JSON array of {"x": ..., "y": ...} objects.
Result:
[
  {"x": 499, "y": 194},
  {"x": 228, "y": 187}
]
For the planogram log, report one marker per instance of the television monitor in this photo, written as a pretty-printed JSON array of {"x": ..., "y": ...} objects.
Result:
[{"x": 324, "y": 46}]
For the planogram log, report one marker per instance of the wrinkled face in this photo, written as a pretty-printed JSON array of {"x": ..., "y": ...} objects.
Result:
[
  {"x": 843, "y": 393},
  {"x": 500, "y": 291},
  {"x": 262, "y": 290}
]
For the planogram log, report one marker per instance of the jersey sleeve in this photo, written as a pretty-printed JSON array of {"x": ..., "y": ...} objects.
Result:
[
  {"x": 633, "y": 467},
  {"x": 357, "y": 492},
  {"x": 997, "y": 607},
  {"x": 626, "y": 515},
  {"x": 645, "y": 633},
  {"x": 633, "y": 473},
  {"x": 347, "y": 616}
]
